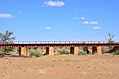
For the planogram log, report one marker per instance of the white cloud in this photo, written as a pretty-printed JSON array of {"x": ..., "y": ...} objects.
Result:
[
  {"x": 76, "y": 18},
  {"x": 82, "y": 18},
  {"x": 86, "y": 22},
  {"x": 6, "y": 15},
  {"x": 96, "y": 28},
  {"x": 48, "y": 28},
  {"x": 56, "y": 4},
  {"x": 95, "y": 22},
  {"x": 92, "y": 22}
]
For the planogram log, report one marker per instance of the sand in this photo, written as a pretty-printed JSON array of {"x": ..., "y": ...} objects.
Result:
[{"x": 60, "y": 67}]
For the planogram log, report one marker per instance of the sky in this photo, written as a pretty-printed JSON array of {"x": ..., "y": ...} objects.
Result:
[{"x": 60, "y": 20}]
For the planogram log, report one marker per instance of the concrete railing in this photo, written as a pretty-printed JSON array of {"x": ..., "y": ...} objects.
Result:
[{"x": 59, "y": 42}]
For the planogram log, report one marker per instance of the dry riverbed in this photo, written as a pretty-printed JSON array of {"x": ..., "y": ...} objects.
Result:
[{"x": 60, "y": 67}]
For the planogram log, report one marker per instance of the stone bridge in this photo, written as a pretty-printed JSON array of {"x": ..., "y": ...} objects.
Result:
[{"x": 49, "y": 45}]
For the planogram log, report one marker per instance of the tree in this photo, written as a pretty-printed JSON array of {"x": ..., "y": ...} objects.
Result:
[
  {"x": 110, "y": 38},
  {"x": 6, "y": 38}
]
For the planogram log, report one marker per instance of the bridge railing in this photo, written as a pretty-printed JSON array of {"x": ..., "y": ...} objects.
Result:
[{"x": 59, "y": 42}]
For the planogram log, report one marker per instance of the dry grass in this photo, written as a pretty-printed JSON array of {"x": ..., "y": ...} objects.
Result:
[{"x": 60, "y": 67}]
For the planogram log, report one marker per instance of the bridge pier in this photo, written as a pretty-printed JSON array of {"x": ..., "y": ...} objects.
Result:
[
  {"x": 99, "y": 50},
  {"x": 23, "y": 51},
  {"x": 74, "y": 50},
  {"x": 49, "y": 51}
]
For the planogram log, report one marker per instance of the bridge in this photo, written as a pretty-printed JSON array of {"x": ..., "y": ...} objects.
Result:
[{"x": 49, "y": 45}]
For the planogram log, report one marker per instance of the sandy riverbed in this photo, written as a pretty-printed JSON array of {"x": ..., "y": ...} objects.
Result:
[{"x": 60, "y": 67}]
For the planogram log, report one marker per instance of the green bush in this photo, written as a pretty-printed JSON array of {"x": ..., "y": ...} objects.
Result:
[
  {"x": 35, "y": 54},
  {"x": 4, "y": 51},
  {"x": 64, "y": 51},
  {"x": 85, "y": 49},
  {"x": 1, "y": 51},
  {"x": 83, "y": 53},
  {"x": 8, "y": 50},
  {"x": 94, "y": 53},
  {"x": 116, "y": 52}
]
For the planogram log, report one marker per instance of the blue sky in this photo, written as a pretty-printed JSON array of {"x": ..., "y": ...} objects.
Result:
[{"x": 60, "y": 20}]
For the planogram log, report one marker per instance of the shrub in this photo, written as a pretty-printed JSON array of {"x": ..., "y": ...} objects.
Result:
[
  {"x": 1, "y": 51},
  {"x": 35, "y": 54},
  {"x": 94, "y": 53},
  {"x": 64, "y": 51},
  {"x": 85, "y": 49},
  {"x": 116, "y": 52},
  {"x": 6, "y": 51},
  {"x": 82, "y": 53}
]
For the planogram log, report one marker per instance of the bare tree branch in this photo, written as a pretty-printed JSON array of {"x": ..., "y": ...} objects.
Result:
[
  {"x": 6, "y": 37},
  {"x": 110, "y": 38}
]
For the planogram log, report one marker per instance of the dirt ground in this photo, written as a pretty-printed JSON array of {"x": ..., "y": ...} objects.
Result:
[{"x": 60, "y": 67}]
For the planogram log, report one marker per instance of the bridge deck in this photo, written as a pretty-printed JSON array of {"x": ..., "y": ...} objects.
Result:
[{"x": 57, "y": 43}]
